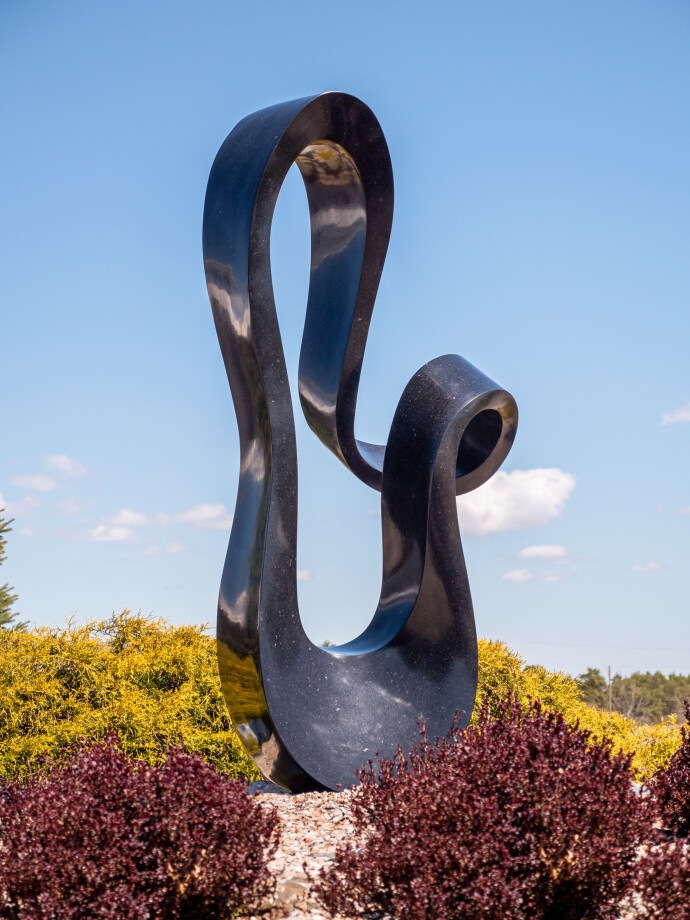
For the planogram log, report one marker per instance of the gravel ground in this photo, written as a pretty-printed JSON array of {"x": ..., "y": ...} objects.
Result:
[{"x": 311, "y": 825}]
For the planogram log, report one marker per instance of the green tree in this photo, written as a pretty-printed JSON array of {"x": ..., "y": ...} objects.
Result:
[
  {"x": 593, "y": 688},
  {"x": 647, "y": 697},
  {"x": 7, "y": 599}
]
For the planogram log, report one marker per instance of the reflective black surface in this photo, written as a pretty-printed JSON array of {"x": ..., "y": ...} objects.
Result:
[{"x": 311, "y": 716}]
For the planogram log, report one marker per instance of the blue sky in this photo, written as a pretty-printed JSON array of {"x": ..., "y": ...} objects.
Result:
[{"x": 541, "y": 155}]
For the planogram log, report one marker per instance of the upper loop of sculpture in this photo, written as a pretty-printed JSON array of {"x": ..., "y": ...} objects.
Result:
[{"x": 341, "y": 152}]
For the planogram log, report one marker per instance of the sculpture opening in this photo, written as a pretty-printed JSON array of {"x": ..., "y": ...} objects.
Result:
[{"x": 478, "y": 441}]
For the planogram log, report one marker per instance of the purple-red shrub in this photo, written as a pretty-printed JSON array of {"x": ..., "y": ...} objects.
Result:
[
  {"x": 671, "y": 785},
  {"x": 105, "y": 836},
  {"x": 520, "y": 817},
  {"x": 662, "y": 884}
]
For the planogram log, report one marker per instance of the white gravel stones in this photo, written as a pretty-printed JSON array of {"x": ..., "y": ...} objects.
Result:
[{"x": 311, "y": 825}]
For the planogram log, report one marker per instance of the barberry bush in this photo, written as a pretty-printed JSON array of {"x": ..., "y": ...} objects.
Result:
[
  {"x": 103, "y": 836},
  {"x": 662, "y": 883},
  {"x": 671, "y": 786},
  {"x": 503, "y": 671},
  {"x": 520, "y": 817}
]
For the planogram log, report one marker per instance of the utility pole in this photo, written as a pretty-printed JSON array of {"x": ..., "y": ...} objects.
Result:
[{"x": 610, "y": 687}]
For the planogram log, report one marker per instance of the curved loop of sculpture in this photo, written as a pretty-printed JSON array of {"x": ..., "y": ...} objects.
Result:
[{"x": 310, "y": 716}]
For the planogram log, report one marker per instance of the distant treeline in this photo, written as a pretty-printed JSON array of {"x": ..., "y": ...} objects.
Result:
[{"x": 644, "y": 697}]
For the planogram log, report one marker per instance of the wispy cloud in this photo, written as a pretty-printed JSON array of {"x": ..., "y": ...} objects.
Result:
[
  {"x": 206, "y": 517},
  {"x": 685, "y": 510},
  {"x": 107, "y": 534},
  {"x": 124, "y": 524},
  {"x": 68, "y": 466},
  {"x": 515, "y": 501},
  {"x": 169, "y": 549},
  {"x": 555, "y": 576},
  {"x": 303, "y": 575},
  {"x": 37, "y": 482},
  {"x": 648, "y": 567},
  {"x": 70, "y": 506},
  {"x": 127, "y": 518},
  {"x": 21, "y": 508},
  {"x": 518, "y": 575},
  {"x": 42, "y": 482},
  {"x": 547, "y": 553},
  {"x": 677, "y": 417},
  {"x": 523, "y": 575}
]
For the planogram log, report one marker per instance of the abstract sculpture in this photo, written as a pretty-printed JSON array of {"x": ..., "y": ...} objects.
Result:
[{"x": 310, "y": 716}]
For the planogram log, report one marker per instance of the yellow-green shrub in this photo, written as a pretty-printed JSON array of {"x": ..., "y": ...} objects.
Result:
[
  {"x": 148, "y": 680},
  {"x": 502, "y": 670},
  {"x": 152, "y": 681}
]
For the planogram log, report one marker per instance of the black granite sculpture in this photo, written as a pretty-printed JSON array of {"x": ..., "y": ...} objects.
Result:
[{"x": 310, "y": 716}]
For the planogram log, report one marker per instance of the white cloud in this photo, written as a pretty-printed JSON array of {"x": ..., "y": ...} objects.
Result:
[
  {"x": 20, "y": 508},
  {"x": 25, "y": 506},
  {"x": 127, "y": 518},
  {"x": 648, "y": 567},
  {"x": 515, "y": 501},
  {"x": 685, "y": 510},
  {"x": 678, "y": 416},
  {"x": 518, "y": 575},
  {"x": 206, "y": 517},
  {"x": 105, "y": 534},
  {"x": 35, "y": 483},
  {"x": 523, "y": 575},
  {"x": 28, "y": 531},
  {"x": 201, "y": 517},
  {"x": 70, "y": 506},
  {"x": 550, "y": 553},
  {"x": 170, "y": 549},
  {"x": 66, "y": 465},
  {"x": 303, "y": 575}
]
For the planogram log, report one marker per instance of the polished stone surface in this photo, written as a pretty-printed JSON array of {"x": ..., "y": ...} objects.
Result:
[{"x": 310, "y": 716}]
